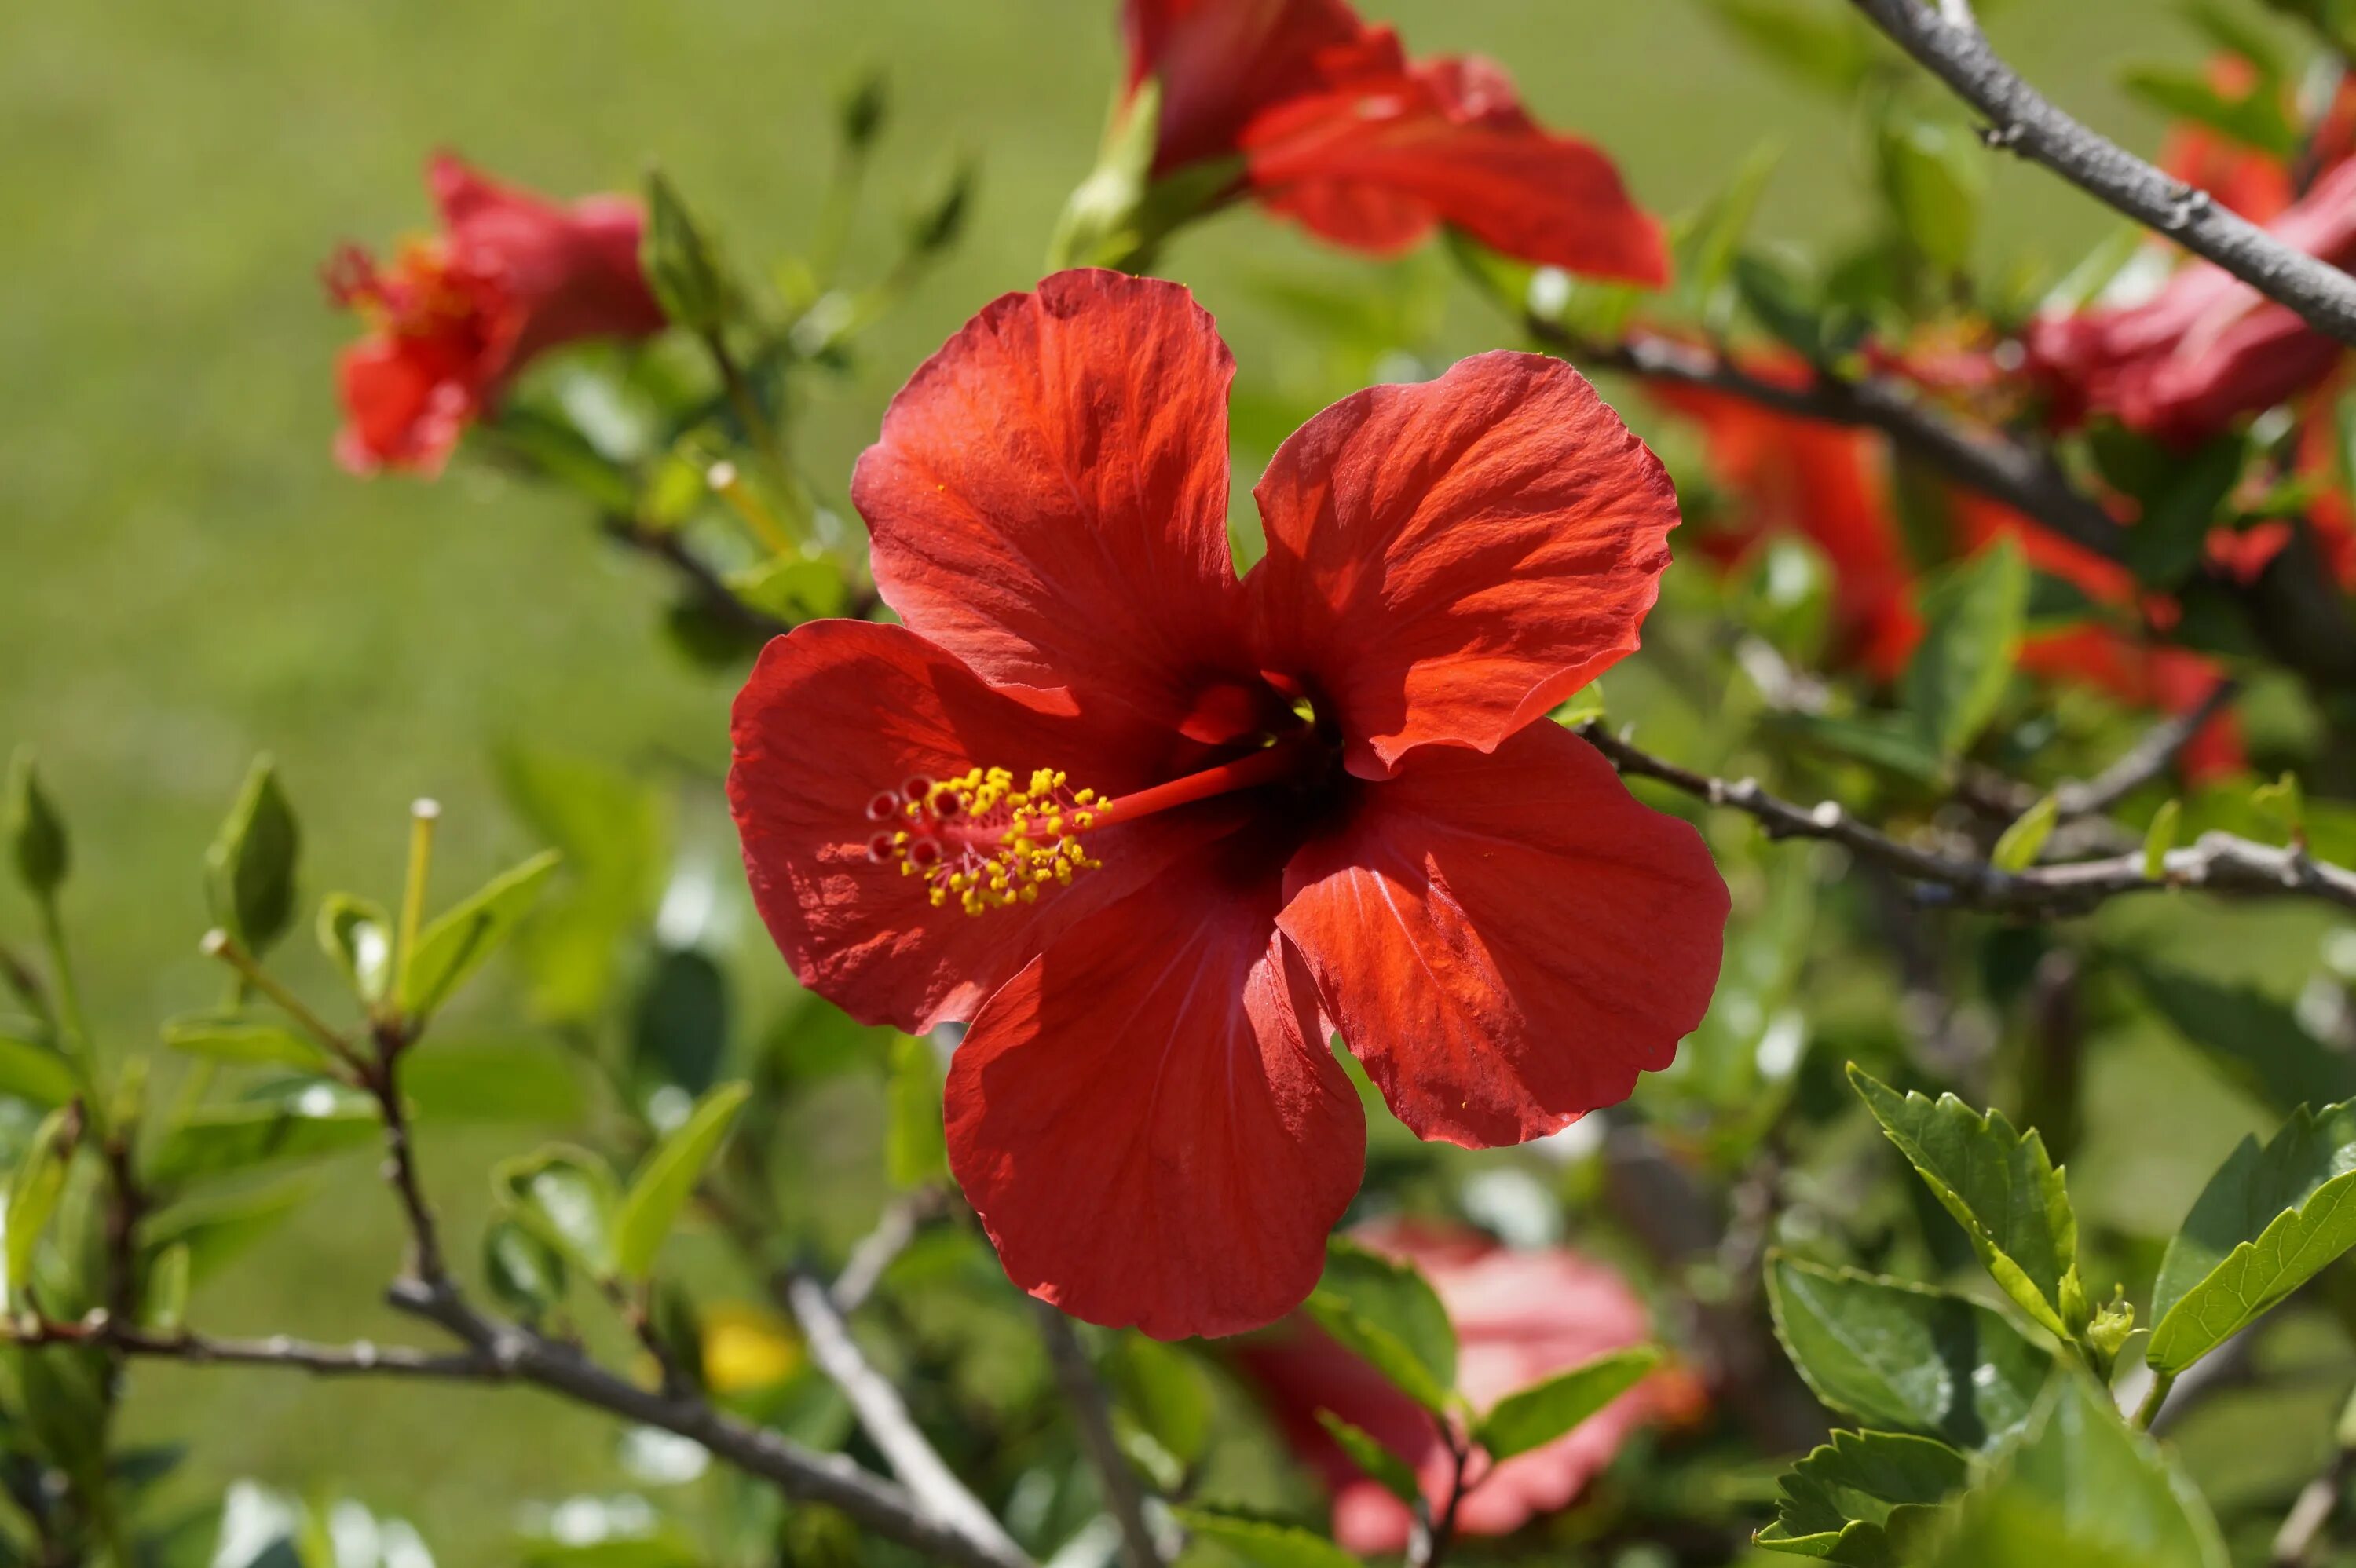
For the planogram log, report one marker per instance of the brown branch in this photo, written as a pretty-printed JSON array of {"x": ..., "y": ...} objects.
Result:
[
  {"x": 2023, "y": 121},
  {"x": 2146, "y": 760},
  {"x": 2217, "y": 862},
  {"x": 1084, "y": 1396}
]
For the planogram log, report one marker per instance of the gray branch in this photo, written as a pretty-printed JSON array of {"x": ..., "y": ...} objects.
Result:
[
  {"x": 1084, "y": 1395},
  {"x": 2217, "y": 862},
  {"x": 2024, "y": 121}
]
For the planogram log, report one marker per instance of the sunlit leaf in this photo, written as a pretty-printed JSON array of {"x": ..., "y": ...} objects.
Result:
[
  {"x": 668, "y": 1178},
  {"x": 1862, "y": 1498},
  {"x": 1532, "y": 1417},
  {"x": 455, "y": 946}
]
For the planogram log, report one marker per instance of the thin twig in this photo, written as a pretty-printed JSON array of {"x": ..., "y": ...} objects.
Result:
[
  {"x": 400, "y": 1162},
  {"x": 2024, "y": 121},
  {"x": 1084, "y": 1396},
  {"x": 863, "y": 1270},
  {"x": 705, "y": 584},
  {"x": 2146, "y": 760},
  {"x": 105, "y": 1331},
  {"x": 2305, "y": 1527},
  {"x": 882, "y": 1414},
  {"x": 2217, "y": 862}
]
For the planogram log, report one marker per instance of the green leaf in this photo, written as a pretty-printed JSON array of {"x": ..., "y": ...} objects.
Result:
[
  {"x": 1860, "y": 1499},
  {"x": 1889, "y": 741},
  {"x": 358, "y": 936},
  {"x": 1902, "y": 1356},
  {"x": 1708, "y": 238},
  {"x": 2266, "y": 1223},
  {"x": 2255, "y": 1040},
  {"x": 212, "y": 1231},
  {"x": 679, "y": 1028},
  {"x": 33, "y": 1072},
  {"x": 455, "y": 946},
  {"x": 2085, "y": 1490},
  {"x": 567, "y": 1198},
  {"x": 1782, "y": 302},
  {"x": 916, "y": 1142},
  {"x": 164, "y": 1306},
  {"x": 2255, "y": 119},
  {"x": 1534, "y": 1416},
  {"x": 1264, "y": 1543},
  {"x": 793, "y": 589},
  {"x": 1973, "y": 617},
  {"x": 668, "y": 1178},
  {"x": 2181, "y": 501},
  {"x": 37, "y": 834},
  {"x": 246, "y": 1043},
  {"x": 2159, "y": 839},
  {"x": 1386, "y": 1469},
  {"x": 1165, "y": 1392},
  {"x": 2019, "y": 845},
  {"x": 524, "y": 1273},
  {"x": 2285, "y": 802},
  {"x": 1934, "y": 176},
  {"x": 2001, "y": 1187},
  {"x": 614, "y": 830},
  {"x": 681, "y": 264},
  {"x": 33, "y": 1189},
  {"x": 1388, "y": 1313},
  {"x": 249, "y": 869},
  {"x": 306, "y": 1123},
  {"x": 2229, "y": 34}
]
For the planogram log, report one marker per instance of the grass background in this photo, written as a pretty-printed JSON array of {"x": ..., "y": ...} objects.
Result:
[{"x": 187, "y": 579}]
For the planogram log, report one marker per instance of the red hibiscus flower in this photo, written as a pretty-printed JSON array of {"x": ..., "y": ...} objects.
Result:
[
  {"x": 1195, "y": 816},
  {"x": 1520, "y": 1317},
  {"x": 1325, "y": 120},
  {"x": 454, "y": 317},
  {"x": 2207, "y": 349}
]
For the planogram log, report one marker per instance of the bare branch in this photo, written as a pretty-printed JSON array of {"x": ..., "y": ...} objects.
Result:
[
  {"x": 103, "y": 1331},
  {"x": 876, "y": 1252},
  {"x": 2024, "y": 121},
  {"x": 883, "y": 1415},
  {"x": 1084, "y": 1395},
  {"x": 2218, "y": 863}
]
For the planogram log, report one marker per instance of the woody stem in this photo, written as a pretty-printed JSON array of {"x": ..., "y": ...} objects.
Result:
[{"x": 1289, "y": 758}]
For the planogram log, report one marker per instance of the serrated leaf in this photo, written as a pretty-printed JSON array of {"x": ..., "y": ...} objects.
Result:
[
  {"x": 668, "y": 1178},
  {"x": 455, "y": 946},
  {"x": 1387, "y": 1312},
  {"x": 2083, "y": 1490},
  {"x": 2019, "y": 846},
  {"x": 1264, "y": 1543},
  {"x": 1973, "y": 617},
  {"x": 357, "y": 935},
  {"x": 34, "y": 1073},
  {"x": 2001, "y": 1187},
  {"x": 306, "y": 1123},
  {"x": 1860, "y": 1499},
  {"x": 1386, "y": 1469},
  {"x": 249, "y": 869},
  {"x": 1534, "y": 1416},
  {"x": 33, "y": 1189},
  {"x": 915, "y": 1142},
  {"x": 1906, "y": 1357},
  {"x": 246, "y": 1043},
  {"x": 567, "y": 1198},
  {"x": 37, "y": 834},
  {"x": 2267, "y": 1222}
]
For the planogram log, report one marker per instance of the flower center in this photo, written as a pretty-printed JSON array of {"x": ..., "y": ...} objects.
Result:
[{"x": 980, "y": 840}]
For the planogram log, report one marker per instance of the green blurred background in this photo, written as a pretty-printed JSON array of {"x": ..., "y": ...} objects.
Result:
[{"x": 186, "y": 577}]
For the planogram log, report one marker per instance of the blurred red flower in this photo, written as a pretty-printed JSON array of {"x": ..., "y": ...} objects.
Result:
[
  {"x": 1520, "y": 1317},
  {"x": 1328, "y": 122},
  {"x": 1229, "y": 809},
  {"x": 2207, "y": 349},
  {"x": 454, "y": 317}
]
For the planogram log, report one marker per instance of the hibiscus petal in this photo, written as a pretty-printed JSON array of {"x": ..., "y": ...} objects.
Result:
[
  {"x": 1220, "y": 61},
  {"x": 1507, "y": 940},
  {"x": 840, "y": 711},
  {"x": 1148, "y": 1120},
  {"x": 1448, "y": 561},
  {"x": 1448, "y": 141},
  {"x": 1049, "y": 498}
]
